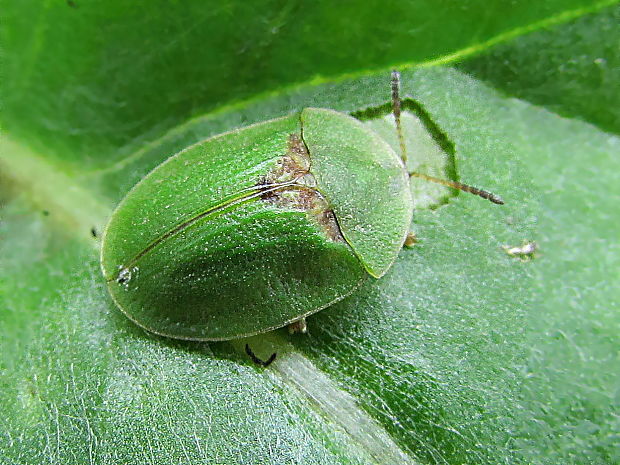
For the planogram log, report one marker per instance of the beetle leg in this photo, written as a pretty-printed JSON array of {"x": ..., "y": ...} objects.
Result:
[
  {"x": 396, "y": 104},
  {"x": 298, "y": 326},
  {"x": 410, "y": 240},
  {"x": 258, "y": 361},
  {"x": 496, "y": 199}
]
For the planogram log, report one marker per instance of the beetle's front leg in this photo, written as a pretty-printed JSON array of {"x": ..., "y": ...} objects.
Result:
[
  {"x": 258, "y": 361},
  {"x": 298, "y": 326},
  {"x": 410, "y": 240}
]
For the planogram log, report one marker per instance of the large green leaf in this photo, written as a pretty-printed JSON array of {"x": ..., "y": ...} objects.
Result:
[
  {"x": 88, "y": 82},
  {"x": 572, "y": 69},
  {"x": 460, "y": 354},
  {"x": 572, "y": 374}
]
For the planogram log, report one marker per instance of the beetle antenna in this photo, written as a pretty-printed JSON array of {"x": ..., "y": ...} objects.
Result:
[
  {"x": 462, "y": 187},
  {"x": 396, "y": 104},
  {"x": 396, "y": 112}
]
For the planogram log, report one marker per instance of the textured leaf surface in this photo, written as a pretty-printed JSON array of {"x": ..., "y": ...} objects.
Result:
[
  {"x": 460, "y": 354},
  {"x": 572, "y": 374}
]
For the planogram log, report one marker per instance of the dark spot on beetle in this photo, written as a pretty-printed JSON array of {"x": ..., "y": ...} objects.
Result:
[
  {"x": 45, "y": 213},
  {"x": 307, "y": 200},
  {"x": 93, "y": 232},
  {"x": 267, "y": 194},
  {"x": 258, "y": 361}
]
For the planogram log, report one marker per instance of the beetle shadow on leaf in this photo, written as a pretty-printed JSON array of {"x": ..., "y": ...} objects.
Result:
[{"x": 429, "y": 149}]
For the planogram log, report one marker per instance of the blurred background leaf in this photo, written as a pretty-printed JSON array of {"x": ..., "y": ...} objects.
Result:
[
  {"x": 459, "y": 355},
  {"x": 572, "y": 70},
  {"x": 90, "y": 82}
]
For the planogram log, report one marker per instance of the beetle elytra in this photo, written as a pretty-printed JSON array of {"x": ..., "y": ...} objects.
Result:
[{"x": 257, "y": 228}]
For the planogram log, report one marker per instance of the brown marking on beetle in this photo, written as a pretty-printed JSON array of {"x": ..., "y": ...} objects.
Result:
[
  {"x": 298, "y": 153},
  {"x": 329, "y": 224},
  {"x": 302, "y": 195},
  {"x": 294, "y": 164},
  {"x": 299, "y": 326},
  {"x": 306, "y": 199}
]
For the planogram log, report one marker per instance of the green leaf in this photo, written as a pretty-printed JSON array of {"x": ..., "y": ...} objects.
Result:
[
  {"x": 122, "y": 72},
  {"x": 572, "y": 69},
  {"x": 570, "y": 393},
  {"x": 460, "y": 354}
]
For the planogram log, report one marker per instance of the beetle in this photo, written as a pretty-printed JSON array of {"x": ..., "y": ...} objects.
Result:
[{"x": 259, "y": 227}]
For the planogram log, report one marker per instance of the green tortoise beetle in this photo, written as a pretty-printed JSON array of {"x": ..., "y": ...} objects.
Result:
[{"x": 257, "y": 228}]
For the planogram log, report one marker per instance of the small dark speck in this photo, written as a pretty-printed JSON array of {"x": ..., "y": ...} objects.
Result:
[
  {"x": 93, "y": 232},
  {"x": 72, "y": 4},
  {"x": 46, "y": 213}
]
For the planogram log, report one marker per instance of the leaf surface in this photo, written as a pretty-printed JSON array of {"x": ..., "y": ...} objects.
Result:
[{"x": 460, "y": 354}]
